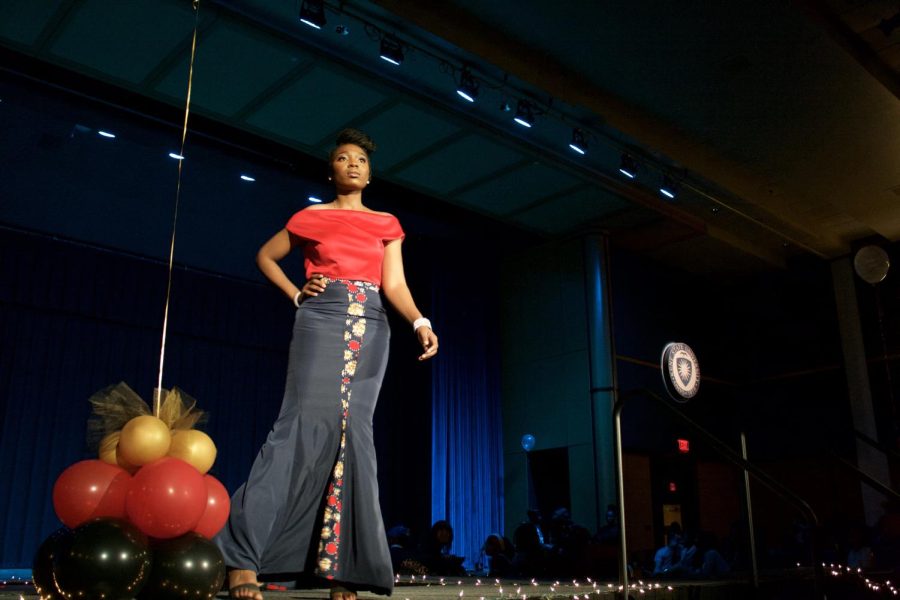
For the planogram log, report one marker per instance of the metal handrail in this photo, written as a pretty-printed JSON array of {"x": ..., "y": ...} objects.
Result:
[
  {"x": 725, "y": 452},
  {"x": 866, "y": 478},
  {"x": 877, "y": 445}
]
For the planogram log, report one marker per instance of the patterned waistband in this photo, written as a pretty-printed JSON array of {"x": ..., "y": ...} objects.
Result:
[{"x": 368, "y": 285}]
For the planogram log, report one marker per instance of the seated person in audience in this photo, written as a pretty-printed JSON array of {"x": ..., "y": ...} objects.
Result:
[
  {"x": 530, "y": 559},
  {"x": 404, "y": 559},
  {"x": 500, "y": 555},
  {"x": 668, "y": 558},
  {"x": 609, "y": 533},
  {"x": 708, "y": 561},
  {"x": 436, "y": 553}
]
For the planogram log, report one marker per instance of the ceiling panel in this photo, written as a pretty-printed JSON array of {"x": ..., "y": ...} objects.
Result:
[
  {"x": 233, "y": 65},
  {"x": 320, "y": 103},
  {"x": 125, "y": 40},
  {"x": 420, "y": 128},
  {"x": 459, "y": 163},
  {"x": 22, "y": 22},
  {"x": 571, "y": 211},
  {"x": 514, "y": 188}
]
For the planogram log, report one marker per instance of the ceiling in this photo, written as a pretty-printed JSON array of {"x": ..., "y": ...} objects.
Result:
[{"x": 779, "y": 120}]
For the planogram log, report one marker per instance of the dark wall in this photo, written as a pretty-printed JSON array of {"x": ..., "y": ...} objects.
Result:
[{"x": 770, "y": 357}]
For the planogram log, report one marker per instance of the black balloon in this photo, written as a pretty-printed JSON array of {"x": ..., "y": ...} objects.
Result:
[
  {"x": 189, "y": 566},
  {"x": 104, "y": 558},
  {"x": 42, "y": 568}
]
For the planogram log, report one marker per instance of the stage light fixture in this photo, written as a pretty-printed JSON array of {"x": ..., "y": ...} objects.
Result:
[
  {"x": 524, "y": 114},
  {"x": 248, "y": 178},
  {"x": 391, "y": 50},
  {"x": 105, "y": 134},
  {"x": 504, "y": 106},
  {"x": 628, "y": 167},
  {"x": 468, "y": 86},
  {"x": 314, "y": 199},
  {"x": 176, "y": 156},
  {"x": 578, "y": 143},
  {"x": 312, "y": 13},
  {"x": 668, "y": 187}
]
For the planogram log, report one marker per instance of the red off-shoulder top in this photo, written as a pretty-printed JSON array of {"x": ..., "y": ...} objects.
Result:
[{"x": 344, "y": 244}]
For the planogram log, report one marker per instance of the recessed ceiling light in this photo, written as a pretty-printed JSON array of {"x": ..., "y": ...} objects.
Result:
[
  {"x": 628, "y": 167},
  {"x": 668, "y": 187},
  {"x": 312, "y": 13},
  {"x": 468, "y": 86},
  {"x": 578, "y": 143},
  {"x": 524, "y": 114},
  {"x": 391, "y": 50}
]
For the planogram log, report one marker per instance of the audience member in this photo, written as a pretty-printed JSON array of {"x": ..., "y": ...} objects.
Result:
[
  {"x": 404, "y": 559},
  {"x": 609, "y": 533},
  {"x": 530, "y": 559},
  {"x": 500, "y": 554},
  {"x": 668, "y": 557},
  {"x": 437, "y": 554},
  {"x": 859, "y": 553},
  {"x": 708, "y": 561}
]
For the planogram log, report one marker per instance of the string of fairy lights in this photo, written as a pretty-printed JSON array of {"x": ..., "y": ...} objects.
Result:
[{"x": 497, "y": 589}]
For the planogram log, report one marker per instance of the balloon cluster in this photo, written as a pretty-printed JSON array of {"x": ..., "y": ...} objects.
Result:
[{"x": 138, "y": 519}]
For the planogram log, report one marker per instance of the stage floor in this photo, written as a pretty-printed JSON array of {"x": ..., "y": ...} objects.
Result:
[{"x": 488, "y": 589}]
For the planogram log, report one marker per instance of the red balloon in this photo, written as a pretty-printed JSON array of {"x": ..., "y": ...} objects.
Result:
[
  {"x": 88, "y": 489},
  {"x": 166, "y": 498},
  {"x": 218, "y": 505}
]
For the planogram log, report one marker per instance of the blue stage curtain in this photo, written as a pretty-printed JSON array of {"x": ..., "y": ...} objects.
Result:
[
  {"x": 75, "y": 319},
  {"x": 467, "y": 436}
]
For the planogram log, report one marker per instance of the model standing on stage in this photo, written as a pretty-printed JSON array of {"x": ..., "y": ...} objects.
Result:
[{"x": 310, "y": 503}]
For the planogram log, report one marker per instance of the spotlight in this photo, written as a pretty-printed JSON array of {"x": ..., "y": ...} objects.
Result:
[
  {"x": 524, "y": 114},
  {"x": 314, "y": 199},
  {"x": 668, "y": 187},
  {"x": 105, "y": 134},
  {"x": 248, "y": 178},
  {"x": 578, "y": 143},
  {"x": 628, "y": 168},
  {"x": 176, "y": 156},
  {"x": 312, "y": 12},
  {"x": 468, "y": 86},
  {"x": 391, "y": 50}
]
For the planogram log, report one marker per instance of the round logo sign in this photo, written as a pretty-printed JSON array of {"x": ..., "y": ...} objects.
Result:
[{"x": 680, "y": 371}]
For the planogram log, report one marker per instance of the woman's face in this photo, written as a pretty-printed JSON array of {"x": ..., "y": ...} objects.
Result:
[{"x": 350, "y": 167}]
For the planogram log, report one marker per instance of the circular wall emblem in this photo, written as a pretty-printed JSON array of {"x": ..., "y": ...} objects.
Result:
[{"x": 680, "y": 371}]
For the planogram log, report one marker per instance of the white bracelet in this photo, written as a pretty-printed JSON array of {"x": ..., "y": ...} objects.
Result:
[
  {"x": 421, "y": 322},
  {"x": 297, "y": 297}
]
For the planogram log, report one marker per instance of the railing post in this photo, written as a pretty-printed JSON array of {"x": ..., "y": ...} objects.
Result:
[{"x": 751, "y": 530}]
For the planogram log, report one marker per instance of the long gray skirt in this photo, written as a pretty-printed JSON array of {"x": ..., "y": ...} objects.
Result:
[{"x": 310, "y": 503}]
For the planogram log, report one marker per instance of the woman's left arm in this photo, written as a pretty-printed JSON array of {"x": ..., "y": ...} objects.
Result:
[{"x": 393, "y": 283}]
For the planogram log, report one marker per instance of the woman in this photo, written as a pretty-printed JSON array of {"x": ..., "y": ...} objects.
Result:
[{"x": 310, "y": 503}]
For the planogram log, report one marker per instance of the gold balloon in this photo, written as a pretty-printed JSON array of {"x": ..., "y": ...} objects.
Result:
[
  {"x": 143, "y": 440},
  {"x": 193, "y": 447}
]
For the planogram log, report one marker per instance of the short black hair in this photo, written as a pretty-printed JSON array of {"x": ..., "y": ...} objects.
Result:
[{"x": 354, "y": 136}]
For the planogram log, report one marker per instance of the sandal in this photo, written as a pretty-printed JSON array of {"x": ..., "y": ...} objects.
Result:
[{"x": 254, "y": 587}]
